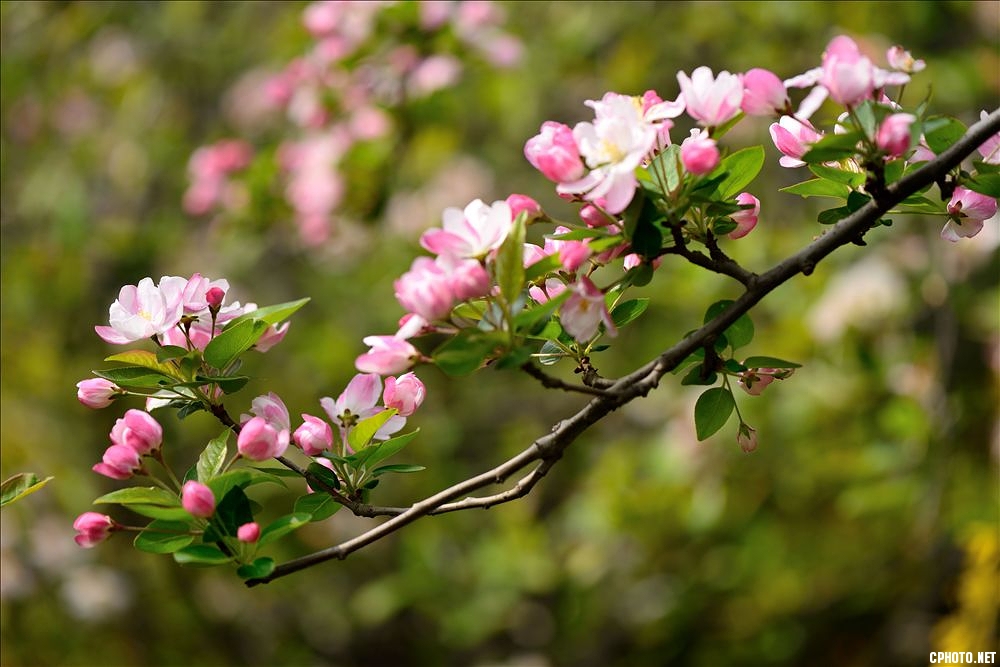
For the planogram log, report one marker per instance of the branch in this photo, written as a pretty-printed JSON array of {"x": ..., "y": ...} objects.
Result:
[{"x": 549, "y": 448}]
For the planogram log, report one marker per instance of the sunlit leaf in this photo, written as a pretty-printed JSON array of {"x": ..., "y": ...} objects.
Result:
[{"x": 712, "y": 411}]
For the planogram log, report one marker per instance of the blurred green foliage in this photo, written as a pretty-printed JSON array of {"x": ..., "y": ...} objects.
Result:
[{"x": 839, "y": 542}]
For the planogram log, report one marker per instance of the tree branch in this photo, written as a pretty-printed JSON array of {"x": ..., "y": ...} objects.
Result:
[{"x": 549, "y": 448}]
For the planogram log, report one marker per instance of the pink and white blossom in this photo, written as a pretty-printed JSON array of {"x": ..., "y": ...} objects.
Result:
[
  {"x": 405, "y": 393},
  {"x": 314, "y": 436},
  {"x": 197, "y": 293},
  {"x": 553, "y": 151},
  {"x": 900, "y": 59},
  {"x": 968, "y": 210},
  {"x": 472, "y": 232},
  {"x": 97, "y": 392},
  {"x": 144, "y": 310},
  {"x": 793, "y": 138},
  {"x": 572, "y": 253},
  {"x": 893, "y": 134},
  {"x": 524, "y": 204},
  {"x": 138, "y": 430},
  {"x": 92, "y": 529},
  {"x": 584, "y": 311},
  {"x": 258, "y": 440},
  {"x": 388, "y": 355},
  {"x": 990, "y": 149},
  {"x": 745, "y": 219},
  {"x": 711, "y": 100},
  {"x": 764, "y": 94},
  {"x": 746, "y": 438},
  {"x": 198, "y": 499},
  {"x": 119, "y": 462},
  {"x": 358, "y": 401},
  {"x": 699, "y": 153}
]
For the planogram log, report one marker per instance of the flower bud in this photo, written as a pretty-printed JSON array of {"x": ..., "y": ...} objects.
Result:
[
  {"x": 97, "y": 392},
  {"x": 404, "y": 393},
  {"x": 745, "y": 219},
  {"x": 119, "y": 462},
  {"x": 198, "y": 499},
  {"x": 520, "y": 203},
  {"x": 699, "y": 153},
  {"x": 315, "y": 436},
  {"x": 388, "y": 355},
  {"x": 93, "y": 528},
  {"x": 764, "y": 93},
  {"x": 259, "y": 441},
  {"x": 893, "y": 135},
  {"x": 553, "y": 151},
  {"x": 248, "y": 532},
  {"x": 138, "y": 430},
  {"x": 746, "y": 438},
  {"x": 214, "y": 297}
]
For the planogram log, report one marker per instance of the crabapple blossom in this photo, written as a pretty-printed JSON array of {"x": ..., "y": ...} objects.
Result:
[
  {"x": 699, "y": 153},
  {"x": 745, "y": 219},
  {"x": 258, "y": 440},
  {"x": 472, "y": 232},
  {"x": 553, "y": 151},
  {"x": 968, "y": 210},
  {"x": 900, "y": 59},
  {"x": 198, "y": 499},
  {"x": 848, "y": 75},
  {"x": 709, "y": 99},
  {"x": 519, "y": 203},
  {"x": 97, "y": 392},
  {"x": 119, "y": 462},
  {"x": 572, "y": 253},
  {"x": 273, "y": 335},
  {"x": 358, "y": 401},
  {"x": 248, "y": 532},
  {"x": 144, "y": 310},
  {"x": 92, "y": 529},
  {"x": 764, "y": 94},
  {"x": 404, "y": 393},
  {"x": 893, "y": 134},
  {"x": 552, "y": 288},
  {"x": 388, "y": 355},
  {"x": 138, "y": 430},
  {"x": 792, "y": 137},
  {"x": 755, "y": 381},
  {"x": 746, "y": 438},
  {"x": 425, "y": 289},
  {"x": 314, "y": 436},
  {"x": 990, "y": 149},
  {"x": 593, "y": 216},
  {"x": 584, "y": 311},
  {"x": 197, "y": 290}
]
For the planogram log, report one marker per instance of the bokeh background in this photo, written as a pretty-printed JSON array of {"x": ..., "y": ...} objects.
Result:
[{"x": 863, "y": 531}]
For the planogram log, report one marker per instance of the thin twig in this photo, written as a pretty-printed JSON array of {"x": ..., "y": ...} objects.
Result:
[{"x": 555, "y": 383}]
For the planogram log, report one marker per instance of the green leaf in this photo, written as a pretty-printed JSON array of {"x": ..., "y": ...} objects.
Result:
[
  {"x": 627, "y": 311},
  {"x": 138, "y": 377},
  {"x": 737, "y": 334},
  {"x": 832, "y": 216},
  {"x": 164, "y": 537},
  {"x": 667, "y": 164},
  {"x": 283, "y": 526},
  {"x": 323, "y": 474},
  {"x": 987, "y": 184},
  {"x": 232, "y": 512},
  {"x": 542, "y": 267},
  {"x": 361, "y": 435},
  {"x": 168, "y": 352},
  {"x": 640, "y": 275},
  {"x": 550, "y": 354},
  {"x": 20, "y": 485},
  {"x": 818, "y": 187},
  {"x": 238, "y": 337},
  {"x": 141, "y": 495},
  {"x": 852, "y": 179},
  {"x": 527, "y": 319},
  {"x": 201, "y": 554},
  {"x": 941, "y": 132},
  {"x": 510, "y": 262},
  {"x": 319, "y": 506},
  {"x": 160, "y": 512},
  {"x": 375, "y": 453},
  {"x": 467, "y": 351},
  {"x": 833, "y": 147},
  {"x": 145, "y": 359},
  {"x": 213, "y": 457},
  {"x": 694, "y": 377},
  {"x": 271, "y": 314},
  {"x": 740, "y": 168},
  {"x": 769, "y": 362},
  {"x": 712, "y": 411},
  {"x": 397, "y": 467},
  {"x": 258, "y": 569},
  {"x": 229, "y": 384}
]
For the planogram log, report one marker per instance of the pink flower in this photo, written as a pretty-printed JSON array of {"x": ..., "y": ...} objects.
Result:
[
  {"x": 594, "y": 216},
  {"x": 699, "y": 153},
  {"x": 470, "y": 233},
  {"x": 432, "y": 74},
  {"x": 93, "y": 528},
  {"x": 553, "y": 151},
  {"x": 552, "y": 288},
  {"x": 755, "y": 380},
  {"x": 793, "y": 138},
  {"x": 848, "y": 76},
  {"x": 119, "y": 462},
  {"x": 900, "y": 59},
  {"x": 572, "y": 254},
  {"x": 404, "y": 393},
  {"x": 358, "y": 401},
  {"x": 272, "y": 336},
  {"x": 746, "y": 438},
  {"x": 196, "y": 293},
  {"x": 584, "y": 311},
  {"x": 314, "y": 436},
  {"x": 466, "y": 278},
  {"x": 990, "y": 149},
  {"x": 893, "y": 134},
  {"x": 258, "y": 440},
  {"x": 388, "y": 356},
  {"x": 968, "y": 210},
  {"x": 764, "y": 94},
  {"x": 97, "y": 392},
  {"x": 138, "y": 430},
  {"x": 519, "y": 203},
  {"x": 711, "y": 100},
  {"x": 425, "y": 289},
  {"x": 745, "y": 219},
  {"x": 144, "y": 310},
  {"x": 198, "y": 499},
  {"x": 248, "y": 532}
]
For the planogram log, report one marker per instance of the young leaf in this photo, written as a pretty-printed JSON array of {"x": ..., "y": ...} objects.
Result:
[
  {"x": 272, "y": 314},
  {"x": 818, "y": 187},
  {"x": 20, "y": 485},
  {"x": 375, "y": 453},
  {"x": 213, "y": 457},
  {"x": 319, "y": 506},
  {"x": 769, "y": 362},
  {"x": 168, "y": 352},
  {"x": 140, "y": 495},
  {"x": 712, "y": 411},
  {"x": 362, "y": 433},
  {"x": 740, "y": 332},
  {"x": 833, "y": 147},
  {"x": 696, "y": 376},
  {"x": 740, "y": 168},
  {"x": 160, "y": 512},
  {"x": 851, "y": 179},
  {"x": 832, "y": 216},
  {"x": 397, "y": 467},
  {"x": 261, "y": 567},
  {"x": 201, "y": 554},
  {"x": 283, "y": 526},
  {"x": 323, "y": 474},
  {"x": 138, "y": 377},
  {"x": 510, "y": 262},
  {"x": 941, "y": 132},
  {"x": 236, "y": 339},
  {"x": 164, "y": 537},
  {"x": 145, "y": 359},
  {"x": 627, "y": 311}
]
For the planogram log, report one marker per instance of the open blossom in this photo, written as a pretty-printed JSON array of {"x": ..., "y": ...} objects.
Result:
[
  {"x": 314, "y": 436},
  {"x": 97, "y": 392},
  {"x": 200, "y": 293},
  {"x": 119, "y": 462},
  {"x": 900, "y": 59},
  {"x": 764, "y": 94},
  {"x": 198, "y": 499},
  {"x": 553, "y": 151},
  {"x": 92, "y": 528},
  {"x": 144, "y": 310},
  {"x": 405, "y": 393},
  {"x": 699, "y": 153},
  {"x": 584, "y": 311},
  {"x": 968, "y": 210},
  {"x": 745, "y": 219},
  {"x": 793, "y": 138},
  {"x": 432, "y": 286},
  {"x": 472, "y": 232},
  {"x": 709, "y": 99},
  {"x": 358, "y": 401},
  {"x": 893, "y": 134},
  {"x": 138, "y": 430},
  {"x": 388, "y": 355},
  {"x": 755, "y": 380},
  {"x": 273, "y": 335}
]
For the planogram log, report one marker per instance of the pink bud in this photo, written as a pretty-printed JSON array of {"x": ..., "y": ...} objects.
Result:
[
  {"x": 594, "y": 217},
  {"x": 553, "y": 151},
  {"x": 754, "y": 381},
  {"x": 248, "y": 532},
  {"x": 745, "y": 219},
  {"x": 93, "y": 528},
  {"x": 138, "y": 430},
  {"x": 699, "y": 153},
  {"x": 259, "y": 441},
  {"x": 315, "y": 436},
  {"x": 119, "y": 462},
  {"x": 198, "y": 499},
  {"x": 763, "y": 94},
  {"x": 388, "y": 356},
  {"x": 97, "y": 392},
  {"x": 893, "y": 135},
  {"x": 746, "y": 438},
  {"x": 520, "y": 203},
  {"x": 793, "y": 138},
  {"x": 214, "y": 297},
  {"x": 404, "y": 393}
]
